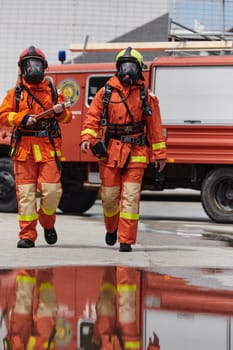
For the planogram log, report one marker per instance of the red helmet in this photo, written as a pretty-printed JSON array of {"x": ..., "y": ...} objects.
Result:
[
  {"x": 32, "y": 52},
  {"x": 32, "y": 63}
]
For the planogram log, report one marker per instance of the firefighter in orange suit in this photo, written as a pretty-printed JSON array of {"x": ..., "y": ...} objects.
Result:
[
  {"x": 117, "y": 324},
  {"x": 36, "y": 145},
  {"x": 31, "y": 311},
  {"x": 130, "y": 118}
]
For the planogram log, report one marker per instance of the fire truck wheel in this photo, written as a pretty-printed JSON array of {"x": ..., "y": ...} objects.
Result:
[
  {"x": 8, "y": 201},
  {"x": 217, "y": 195},
  {"x": 77, "y": 201}
]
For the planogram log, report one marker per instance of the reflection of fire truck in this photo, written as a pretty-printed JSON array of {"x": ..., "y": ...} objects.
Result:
[
  {"x": 177, "y": 311},
  {"x": 183, "y": 313},
  {"x": 195, "y": 97}
]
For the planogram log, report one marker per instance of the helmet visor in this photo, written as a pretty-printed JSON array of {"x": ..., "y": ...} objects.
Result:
[
  {"x": 129, "y": 67},
  {"x": 33, "y": 65},
  {"x": 33, "y": 70}
]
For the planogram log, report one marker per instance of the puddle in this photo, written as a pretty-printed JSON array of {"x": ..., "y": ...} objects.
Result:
[{"x": 91, "y": 308}]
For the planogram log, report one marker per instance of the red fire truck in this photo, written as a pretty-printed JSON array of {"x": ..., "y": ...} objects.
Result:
[{"x": 196, "y": 101}]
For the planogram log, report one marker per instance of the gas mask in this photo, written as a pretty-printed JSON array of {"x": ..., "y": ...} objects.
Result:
[
  {"x": 128, "y": 73},
  {"x": 33, "y": 70}
]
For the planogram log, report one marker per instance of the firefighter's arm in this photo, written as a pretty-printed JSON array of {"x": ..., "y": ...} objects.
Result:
[
  {"x": 91, "y": 124},
  {"x": 155, "y": 135},
  {"x": 8, "y": 116}
]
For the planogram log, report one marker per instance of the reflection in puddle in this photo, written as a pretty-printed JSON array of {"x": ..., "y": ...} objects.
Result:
[{"x": 113, "y": 308}]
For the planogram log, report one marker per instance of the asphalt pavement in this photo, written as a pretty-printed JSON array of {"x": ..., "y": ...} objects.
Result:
[{"x": 81, "y": 242}]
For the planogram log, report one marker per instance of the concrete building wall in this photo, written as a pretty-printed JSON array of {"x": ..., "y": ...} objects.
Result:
[{"x": 54, "y": 25}]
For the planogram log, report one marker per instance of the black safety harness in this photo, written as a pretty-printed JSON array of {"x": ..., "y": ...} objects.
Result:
[
  {"x": 124, "y": 131},
  {"x": 45, "y": 127}
]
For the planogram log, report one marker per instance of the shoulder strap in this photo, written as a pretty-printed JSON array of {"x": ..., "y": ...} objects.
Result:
[
  {"x": 53, "y": 89},
  {"x": 18, "y": 90},
  {"x": 144, "y": 97},
  {"x": 106, "y": 98}
]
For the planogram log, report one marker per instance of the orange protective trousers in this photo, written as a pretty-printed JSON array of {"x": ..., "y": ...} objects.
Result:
[
  {"x": 30, "y": 177},
  {"x": 120, "y": 195}
]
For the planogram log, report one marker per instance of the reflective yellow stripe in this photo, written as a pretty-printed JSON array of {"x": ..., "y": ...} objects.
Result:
[
  {"x": 28, "y": 217},
  {"x": 37, "y": 152},
  {"x": 138, "y": 159},
  {"x": 126, "y": 288},
  {"x": 132, "y": 345},
  {"x": 45, "y": 285},
  {"x": 52, "y": 153},
  {"x": 48, "y": 212},
  {"x": 109, "y": 286},
  {"x": 26, "y": 279},
  {"x": 113, "y": 213},
  {"x": 10, "y": 118},
  {"x": 90, "y": 132},
  {"x": 31, "y": 343},
  {"x": 159, "y": 145},
  {"x": 129, "y": 216}
]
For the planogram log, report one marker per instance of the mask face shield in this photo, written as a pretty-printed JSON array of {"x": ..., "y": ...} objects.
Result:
[
  {"x": 33, "y": 70},
  {"x": 128, "y": 73}
]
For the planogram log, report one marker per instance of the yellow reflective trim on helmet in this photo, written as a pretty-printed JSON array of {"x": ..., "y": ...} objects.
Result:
[
  {"x": 45, "y": 285},
  {"x": 37, "y": 152},
  {"x": 129, "y": 216},
  {"x": 159, "y": 145},
  {"x": 90, "y": 132},
  {"x": 138, "y": 159},
  {"x": 133, "y": 53}
]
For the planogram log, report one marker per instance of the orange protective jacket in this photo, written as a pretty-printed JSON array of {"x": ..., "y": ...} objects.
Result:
[
  {"x": 28, "y": 106},
  {"x": 117, "y": 114}
]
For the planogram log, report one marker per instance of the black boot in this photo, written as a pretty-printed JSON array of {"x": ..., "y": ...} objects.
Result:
[
  {"x": 111, "y": 238},
  {"x": 125, "y": 247},
  {"x": 50, "y": 235},
  {"x": 25, "y": 243}
]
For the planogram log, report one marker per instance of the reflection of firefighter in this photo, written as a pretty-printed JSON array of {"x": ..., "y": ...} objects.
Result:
[
  {"x": 117, "y": 325},
  {"x": 30, "y": 319}
]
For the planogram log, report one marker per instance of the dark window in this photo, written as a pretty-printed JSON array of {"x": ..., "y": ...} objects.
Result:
[{"x": 94, "y": 84}]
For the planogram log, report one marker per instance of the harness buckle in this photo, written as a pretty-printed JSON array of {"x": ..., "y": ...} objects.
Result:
[
  {"x": 128, "y": 128},
  {"x": 41, "y": 133}
]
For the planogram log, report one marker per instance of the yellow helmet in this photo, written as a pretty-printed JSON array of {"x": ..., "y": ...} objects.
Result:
[{"x": 130, "y": 55}]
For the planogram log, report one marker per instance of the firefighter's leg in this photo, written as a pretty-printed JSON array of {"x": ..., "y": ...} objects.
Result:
[
  {"x": 105, "y": 324},
  {"x": 128, "y": 313},
  {"x": 21, "y": 325},
  {"x": 45, "y": 312},
  {"x": 26, "y": 186},
  {"x": 129, "y": 205},
  {"x": 50, "y": 193},
  {"x": 110, "y": 196}
]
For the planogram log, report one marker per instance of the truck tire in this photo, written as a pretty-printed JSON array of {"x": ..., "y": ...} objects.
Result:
[
  {"x": 77, "y": 202},
  {"x": 217, "y": 195},
  {"x": 8, "y": 201}
]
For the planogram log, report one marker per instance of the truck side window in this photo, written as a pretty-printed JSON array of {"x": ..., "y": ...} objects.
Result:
[{"x": 94, "y": 84}]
